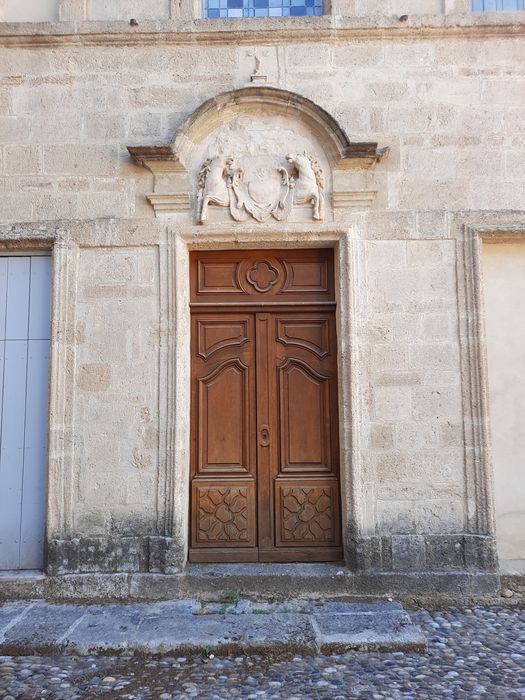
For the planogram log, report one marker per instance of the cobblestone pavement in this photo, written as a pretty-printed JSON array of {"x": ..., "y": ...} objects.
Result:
[{"x": 473, "y": 653}]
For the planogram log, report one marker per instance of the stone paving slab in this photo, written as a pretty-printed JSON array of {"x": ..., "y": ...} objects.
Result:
[
  {"x": 367, "y": 632},
  {"x": 9, "y": 612},
  {"x": 191, "y": 627},
  {"x": 475, "y": 653},
  {"x": 41, "y": 624}
]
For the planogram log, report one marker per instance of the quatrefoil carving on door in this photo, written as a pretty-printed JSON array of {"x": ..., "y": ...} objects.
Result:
[{"x": 262, "y": 275}]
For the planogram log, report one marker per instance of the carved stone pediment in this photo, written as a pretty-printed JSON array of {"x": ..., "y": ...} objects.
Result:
[{"x": 260, "y": 154}]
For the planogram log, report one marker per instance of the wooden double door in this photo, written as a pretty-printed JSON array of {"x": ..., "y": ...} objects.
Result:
[{"x": 264, "y": 418}]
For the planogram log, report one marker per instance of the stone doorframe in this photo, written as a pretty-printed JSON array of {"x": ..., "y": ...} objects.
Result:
[
  {"x": 174, "y": 488},
  {"x": 479, "y": 478}
]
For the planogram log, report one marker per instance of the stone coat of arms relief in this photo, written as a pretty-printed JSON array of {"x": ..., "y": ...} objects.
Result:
[{"x": 261, "y": 186}]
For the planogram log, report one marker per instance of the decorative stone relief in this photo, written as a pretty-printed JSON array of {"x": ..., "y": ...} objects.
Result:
[
  {"x": 231, "y": 154},
  {"x": 261, "y": 186}
]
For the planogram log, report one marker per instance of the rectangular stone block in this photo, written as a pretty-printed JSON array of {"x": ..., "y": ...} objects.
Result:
[
  {"x": 383, "y": 254},
  {"x": 113, "y": 554},
  {"x": 515, "y": 164},
  {"x": 445, "y": 552},
  {"x": 381, "y": 436},
  {"x": 73, "y": 10},
  {"x": 408, "y": 553},
  {"x": 46, "y": 99},
  {"x": 104, "y": 10},
  {"x": 437, "y": 326},
  {"x": 419, "y": 465},
  {"x": 431, "y": 224},
  {"x": 392, "y": 402},
  {"x": 63, "y": 557},
  {"x": 439, "y": 516},
  {"x": 22, "y": 160},
  {"x": 348, "y": 55},
  {"x": 436, "y": 404},
  {"x": 94, "y": 377},
  {"x": 395, "y": 517},
  {"x": 14, "y": 129},
  {"x": 389, "y": 356},
  {"x": 77, "y": 160},
  {"x": 431, "y": 163},
  {"x": 432, "y": 356}
]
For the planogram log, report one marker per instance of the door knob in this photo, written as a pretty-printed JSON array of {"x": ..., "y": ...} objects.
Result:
[{"x": 264, "y": 436}]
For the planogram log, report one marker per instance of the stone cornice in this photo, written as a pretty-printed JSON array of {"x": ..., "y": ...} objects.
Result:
[{"x": 275, "y": 30}]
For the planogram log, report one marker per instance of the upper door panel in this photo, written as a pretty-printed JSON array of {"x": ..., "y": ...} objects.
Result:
[{"x": 236, "y": 277}]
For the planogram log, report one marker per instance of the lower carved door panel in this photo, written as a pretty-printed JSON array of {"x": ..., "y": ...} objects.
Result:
[
  {"x": 265, "y": 483},
  {"x": 264, "y": 423}
]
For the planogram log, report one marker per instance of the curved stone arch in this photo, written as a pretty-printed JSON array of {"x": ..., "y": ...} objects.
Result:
[{"x": 215, "y": 111}]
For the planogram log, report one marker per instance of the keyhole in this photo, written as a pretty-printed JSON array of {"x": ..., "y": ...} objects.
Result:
[{"x": 264, "y": 436}]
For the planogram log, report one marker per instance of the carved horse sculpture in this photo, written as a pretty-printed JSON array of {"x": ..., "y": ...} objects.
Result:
[
  {"x": 309, "y": 183},
  {"x": 214, "y": 181}
]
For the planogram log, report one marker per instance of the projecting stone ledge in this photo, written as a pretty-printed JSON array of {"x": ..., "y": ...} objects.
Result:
[{"x": 191, "y": 627}]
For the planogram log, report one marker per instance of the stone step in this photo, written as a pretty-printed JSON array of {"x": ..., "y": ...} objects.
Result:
[
  {"x": 192, "y": 627},
  {"x": 259, "y": 581}
]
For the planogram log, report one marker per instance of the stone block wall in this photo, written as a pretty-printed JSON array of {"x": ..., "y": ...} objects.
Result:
[
  {"x": 116, "y": 392},
  {"x": 104, "y": 10},
  {"x": 450, "y": 107},
  {"x": 451, "y": 111}
]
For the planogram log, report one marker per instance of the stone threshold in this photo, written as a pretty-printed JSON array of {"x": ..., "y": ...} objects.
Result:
[
  {"x": 191, "y": 627},
  {"x": 277, "y": 582},
  {"x": 270, "y": 30}
]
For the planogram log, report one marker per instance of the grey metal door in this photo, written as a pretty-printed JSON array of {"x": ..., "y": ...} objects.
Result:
[{"x": 25, "y": 291}]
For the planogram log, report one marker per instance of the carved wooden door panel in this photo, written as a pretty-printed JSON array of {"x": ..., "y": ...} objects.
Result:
[
  {"x": 264, "y": 423},
  {"x": 303, "y": 472},
  {"x": 224, "y": 466}
]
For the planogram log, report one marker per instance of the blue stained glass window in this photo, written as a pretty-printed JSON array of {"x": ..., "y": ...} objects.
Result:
[{"x": 262, "y": 8}]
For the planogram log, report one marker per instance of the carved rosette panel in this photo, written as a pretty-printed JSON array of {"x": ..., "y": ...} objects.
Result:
[
  {"x": 222, "y": 515},
  {"x": 307, "y": 514},
  {"x": 262, "y": 276}
]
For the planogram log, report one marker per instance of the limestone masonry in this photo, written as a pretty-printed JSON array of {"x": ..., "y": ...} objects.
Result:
[{"x": 398, "y": 143}]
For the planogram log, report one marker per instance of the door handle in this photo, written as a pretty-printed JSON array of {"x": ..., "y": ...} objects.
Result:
[{"x": 264, "y": 436}]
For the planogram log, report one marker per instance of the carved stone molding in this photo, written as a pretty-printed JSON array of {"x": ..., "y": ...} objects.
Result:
[
  {"x": 265, "y": 31},
  {"x": 353, "y": 199},
  {"x": 478, "y": 465},
  {"x": 170, "y": 203}
]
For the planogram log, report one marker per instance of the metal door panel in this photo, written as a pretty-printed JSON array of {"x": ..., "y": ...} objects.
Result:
[
  {"x": 35, "y": 451},
  {"x": 39, "y": 306},
  {"x": 17, "y": 312},
  {"x": 4, "y": 263},
  {"x": 24, "y": 313},
  {"x": 12, "y": 451}
]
